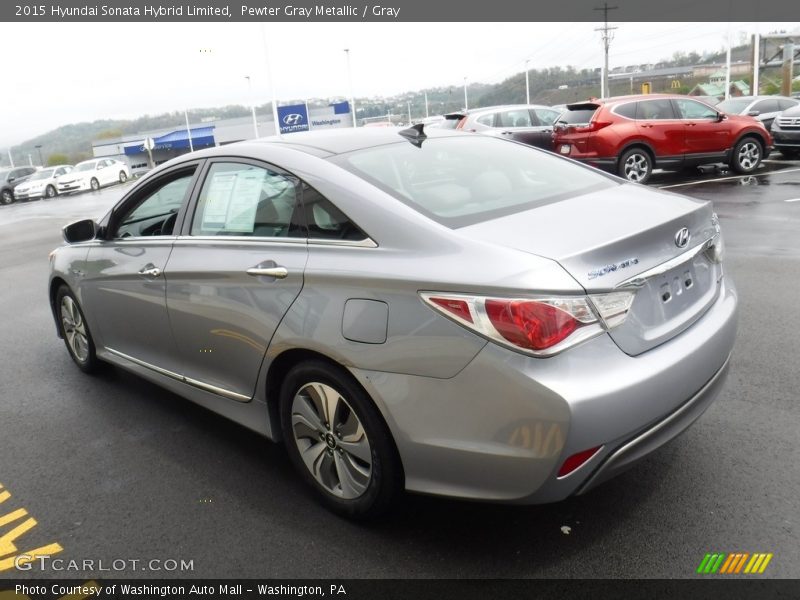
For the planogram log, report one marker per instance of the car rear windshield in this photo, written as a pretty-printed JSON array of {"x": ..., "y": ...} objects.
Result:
[
  {"x": 577, "y": 115},
  {"x": 733, "y": 105},
  {"x": 449, "y": 122},
  {"x": 460, "y": 181}
]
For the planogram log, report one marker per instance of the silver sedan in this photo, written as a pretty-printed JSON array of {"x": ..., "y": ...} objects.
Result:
[{"x": 429, "y": 311}]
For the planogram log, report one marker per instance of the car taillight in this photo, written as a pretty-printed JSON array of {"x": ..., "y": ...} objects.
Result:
[
  {"x": 591, "y": 127},
  {"x": 542, "y": 325},
  {"x": 576, "y": 461}
]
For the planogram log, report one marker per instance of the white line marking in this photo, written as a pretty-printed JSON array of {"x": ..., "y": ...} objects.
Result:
[{"x": 663, "y": 187}]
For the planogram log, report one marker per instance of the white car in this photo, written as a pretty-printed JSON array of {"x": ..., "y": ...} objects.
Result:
[
  {"x": 41, "y": 184},
  {"x": 93, "y": 174}
]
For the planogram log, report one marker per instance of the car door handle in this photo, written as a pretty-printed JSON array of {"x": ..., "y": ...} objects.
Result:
[
  {"x": 691, "y": 124},
  {"x": 150, "y": 271},
  {"x": 648, "y": 125},
  {"x": 507, "y": 133},
  {"x": 276, "y": 272}
]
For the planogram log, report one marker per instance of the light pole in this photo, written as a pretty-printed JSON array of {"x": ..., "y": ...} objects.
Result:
[
  {"x": 188, "y": 131},
  {"x": 426, "y": 105},
  {"x": 39, "y": 149},
  {"x": 252, "y": 106},
  {"x": 466, "y": 102},
  {"x": 527, "y": 85},
  {"x": 350, "y": 81},
  {"x": 409, "y": 112}
]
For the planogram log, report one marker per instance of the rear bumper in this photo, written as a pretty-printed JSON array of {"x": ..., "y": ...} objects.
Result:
[{"x": 501, "y": 428}]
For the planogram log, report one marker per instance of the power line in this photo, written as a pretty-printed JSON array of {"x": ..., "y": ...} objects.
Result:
[{"x": 607, "y": 37}]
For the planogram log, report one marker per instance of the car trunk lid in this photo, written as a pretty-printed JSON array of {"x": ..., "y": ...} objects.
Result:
[{"x": 605, "y": 239}]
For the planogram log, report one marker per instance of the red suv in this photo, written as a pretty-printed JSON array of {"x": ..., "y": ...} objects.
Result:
[{"x": 632, "y": 135}]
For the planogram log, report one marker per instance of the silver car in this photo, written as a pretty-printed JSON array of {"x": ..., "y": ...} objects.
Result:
[{"x": 433, "y": 311}]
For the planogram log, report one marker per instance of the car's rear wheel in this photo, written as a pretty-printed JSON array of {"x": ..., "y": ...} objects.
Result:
[
  {"x": 95, "y": 184},
  {"x": 75, "y": 331},
  {"x": 7, "y": 197},
  {"x": 636, "y": 165},
  {"x": 50, "y": 191},
  {"x": 123, "y": 177},
  {"x": 746, "y": 155},
  {"x": 338, "y": 441}
]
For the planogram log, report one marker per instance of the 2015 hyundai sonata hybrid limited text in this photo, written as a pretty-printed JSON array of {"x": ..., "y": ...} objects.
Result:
[{"x": 438, "y": 311}]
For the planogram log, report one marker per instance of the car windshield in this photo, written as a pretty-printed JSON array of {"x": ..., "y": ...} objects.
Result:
[
  {"x": 87, "y": 166},
  {"x": 459, "y": 181},
  {"x": 733, "y": 106},
  {"x": 4, "y": 174},
  {"x": 46, "y": 174}
]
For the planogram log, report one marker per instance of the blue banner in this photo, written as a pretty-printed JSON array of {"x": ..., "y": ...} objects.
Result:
[
  {"x": 341, "y": 108},
  {"x": 293, "y": 118}
]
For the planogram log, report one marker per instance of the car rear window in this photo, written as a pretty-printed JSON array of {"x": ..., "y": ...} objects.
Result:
[
  {"x": 574, "y": 116},
  {"x": 460, "y": 181}
]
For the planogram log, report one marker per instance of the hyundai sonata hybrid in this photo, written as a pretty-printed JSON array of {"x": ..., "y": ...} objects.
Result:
[{"x": 430, "y": 311}]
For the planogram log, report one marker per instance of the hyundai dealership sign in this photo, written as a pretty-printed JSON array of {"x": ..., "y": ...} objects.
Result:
[{"x": 293, "y": 118}]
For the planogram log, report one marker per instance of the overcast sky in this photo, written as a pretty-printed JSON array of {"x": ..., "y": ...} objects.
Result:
[{"x": 65, "y": 73}]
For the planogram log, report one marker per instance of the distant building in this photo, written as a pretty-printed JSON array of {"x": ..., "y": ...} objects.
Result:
[{"x": 717, "y": 89}]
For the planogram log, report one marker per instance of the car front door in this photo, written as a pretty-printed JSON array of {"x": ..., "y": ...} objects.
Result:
[
  {"x": 234, "y": 272},
  {"x": 124, "y": 284},
  {"x": 707, "y": 137},
  {"x": 660, "y": 127}
]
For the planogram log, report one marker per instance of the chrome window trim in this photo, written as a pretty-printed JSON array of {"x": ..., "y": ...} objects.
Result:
[
  {"x": 640, "y": 280},
  {"x": 365, "y": 243},
  {"x": 239, "y": 239},
  {"x": 178, "y": 377}
]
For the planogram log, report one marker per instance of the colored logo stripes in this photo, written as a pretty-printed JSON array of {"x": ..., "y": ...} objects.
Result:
[{"x": 734, "y": 563}]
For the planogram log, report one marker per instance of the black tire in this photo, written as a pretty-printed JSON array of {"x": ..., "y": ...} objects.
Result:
[
  {"x": 123, "y": 177},
  {"x": 746, "y": 156},
  {"x": 7, "y": 197},
  {"x": 50, "y": 192},
  {"x": 385, "y": 480},
  {"x": 95, "y": 185},
  {"x": 635, "y": 165},
  {"x": 790, "y": 153},
  {"x": 87, "y": 361}
]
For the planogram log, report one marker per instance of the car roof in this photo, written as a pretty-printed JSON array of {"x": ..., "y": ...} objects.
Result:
[{"x": 339, "y": 141}]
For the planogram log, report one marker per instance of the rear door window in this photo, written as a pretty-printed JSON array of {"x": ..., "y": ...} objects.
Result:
[{"x": 515, "y": 118}]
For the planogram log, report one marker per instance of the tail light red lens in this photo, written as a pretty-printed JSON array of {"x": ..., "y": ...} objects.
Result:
[
  {"x": 542, "y": 325},
  {"x": 530, "y": 324},
  {"x": 576, "y": 461}
]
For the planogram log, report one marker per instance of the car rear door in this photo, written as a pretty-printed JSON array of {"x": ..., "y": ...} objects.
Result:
[
  {"x": 522, "y": 125},
  {"x": 235, "y": 270},
  {"x": 661, "y": 128},
  {"x": 123, "y": 285}
]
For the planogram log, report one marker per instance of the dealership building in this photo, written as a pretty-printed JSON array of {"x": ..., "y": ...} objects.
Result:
[{"x": 171, "y": 142}]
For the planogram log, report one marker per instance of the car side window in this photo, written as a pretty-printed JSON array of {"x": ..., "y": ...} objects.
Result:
[
  {"x": 487, "y": 120},
  {"x": 325, "y": 221},
  {"x": 691, "y": 109},
  {"x": 515, "y": 118},
  {"x": 766, "y": 106},
  {"x": 786, "y": 104},
  {"x": 627, "y": 110},
  {"x": 546, "y": 116},
  {"x": 655, "y": 110},
  {"x": 241, "y": 199},
  {"x": 156, "y": 211}
]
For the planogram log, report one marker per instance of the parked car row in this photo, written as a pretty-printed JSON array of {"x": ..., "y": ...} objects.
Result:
[{"x": 28, "y": 183}]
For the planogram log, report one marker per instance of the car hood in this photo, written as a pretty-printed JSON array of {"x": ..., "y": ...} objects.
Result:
[{"x": 624, "y": 230}]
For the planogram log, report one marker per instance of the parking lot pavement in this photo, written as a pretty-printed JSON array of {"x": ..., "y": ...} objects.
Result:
[{"x": 111, "y": 467}]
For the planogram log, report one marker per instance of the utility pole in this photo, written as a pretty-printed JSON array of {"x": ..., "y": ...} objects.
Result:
[
  {"x": 786, "y": 70},
  {"x": 527, "y": 84},
  {"x": 607, "y": 37}
]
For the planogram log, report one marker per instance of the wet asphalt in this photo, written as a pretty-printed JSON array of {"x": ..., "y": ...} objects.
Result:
[{"x": 114, "y": 468}]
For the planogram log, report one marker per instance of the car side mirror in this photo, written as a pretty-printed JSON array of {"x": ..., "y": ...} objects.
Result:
[
  {"x": 11, "y": 179},
  {"x": 80, "y": 231},
  {"x": 721, "y": 117},
  {"x": 753, "y": 113}
]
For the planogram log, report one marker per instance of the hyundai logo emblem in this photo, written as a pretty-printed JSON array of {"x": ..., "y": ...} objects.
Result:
[
  {"x": 682, "y": 237},
  {"x": 293, "y": 119}
]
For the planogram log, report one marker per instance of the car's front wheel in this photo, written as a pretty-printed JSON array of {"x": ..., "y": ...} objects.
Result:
[
  {"x": 95, "y": 184},
  {"x": 7, "y": 197},
  {"x": 123, "y": 177},
  {"x": 636, "y": 165},
  {"x": 338, "y": 441},
  {"x": 75, "y": 331},
  {"x": 746, "y": 155},
  {"x": 50, "y": 191}
]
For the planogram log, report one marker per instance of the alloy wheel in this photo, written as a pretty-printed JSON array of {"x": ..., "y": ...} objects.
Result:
[
  {"x": 749, "y": 155},
  {"x": 74, "y": 329},
  {"x": 331, "y": 440},
  {"x": 636, "y": 167}
]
